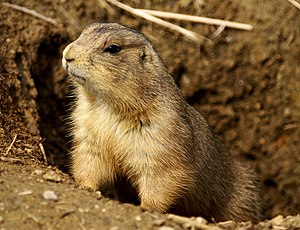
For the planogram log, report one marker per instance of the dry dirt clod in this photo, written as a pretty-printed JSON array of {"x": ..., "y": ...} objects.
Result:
[
  {"x": 52, "y": 176},
  {"x": 159, "y": 222},
  {"x": 50, "y": 195},
  {"x": 38, "y": 172},
  {"x": 201, "y": 220},
  {"x": 227, "y": 224},
  {"x": 244, "y": 225},
  {"x": 277, "y": 220}
]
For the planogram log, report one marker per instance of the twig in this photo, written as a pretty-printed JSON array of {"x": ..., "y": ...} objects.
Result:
[
  {"x": 11, "y": 144},
  {"x": 192, "y": 18},
  {"x": 291, "y": 126},
  {"x": 43, "y": 152},
  {"x": 189, "y": 34},
  {"x": 31, "y": 12},
  {"x": 295, "y": 3},
  {"x": 10, "y": 159}
]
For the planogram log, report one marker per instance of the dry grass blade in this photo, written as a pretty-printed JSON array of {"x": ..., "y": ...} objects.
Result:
[
  {"x": 192, "y": 18},
  {"x": 189, "y": 34},
  {"x": 295, "y": 3},
  {"x": 10, "y": 159},
  {"x": 31, "y": 12},
  {"x": 106, "y": 6},
  {"x": 10, "y": 146},
  {"x": 43, "y": 152},
  {"x": 217, "y": 32}
]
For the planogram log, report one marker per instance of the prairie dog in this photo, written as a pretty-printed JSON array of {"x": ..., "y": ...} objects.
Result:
[{"x": 133, "y": 128}]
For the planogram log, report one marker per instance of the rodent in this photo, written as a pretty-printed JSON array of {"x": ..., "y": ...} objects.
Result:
[{"x": 134, "y": 132}]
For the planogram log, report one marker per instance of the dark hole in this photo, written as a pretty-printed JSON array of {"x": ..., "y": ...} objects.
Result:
[{"x": 52, "y": 100}]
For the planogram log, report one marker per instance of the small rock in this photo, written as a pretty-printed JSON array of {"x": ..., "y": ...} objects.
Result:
[
  {"x": 83, "y": 210},
  {"x": 98, "y": 195},
  {"x": 201, "y": 220},
  {"x": 159, "y": 222},
  {"x": 1, "y": 219},
  {"x": 52, "y": 176},
  {"x": 166, "y": 228},
  {"x": 138, "y": 218},
  {"x": 50, "y": 195},
  {"x": 38, "y": 172},
  {"x": 40, "y": 180}
]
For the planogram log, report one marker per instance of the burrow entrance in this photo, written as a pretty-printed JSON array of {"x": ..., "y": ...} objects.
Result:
[{"x": 53, "y": 100}]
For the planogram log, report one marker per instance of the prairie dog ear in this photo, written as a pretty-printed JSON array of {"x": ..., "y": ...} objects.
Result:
[{"x": 145, "y": 54}]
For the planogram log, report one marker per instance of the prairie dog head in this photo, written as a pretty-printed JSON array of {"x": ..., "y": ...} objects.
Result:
[{"x": 115, "y": 62}]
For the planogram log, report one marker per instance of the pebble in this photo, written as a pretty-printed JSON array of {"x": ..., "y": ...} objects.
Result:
[
  {"x": 138, "y": 218},
  {"x": 38, "y": 172},
  {"x": 159, "y": 222},
  {"x": 50, "y": 195},
  {"x": 52, "y": 176},
  {"x": 98, "y": 195},
  {"x": 201, "y": 220},
  {"x": 84, "y": 210}
]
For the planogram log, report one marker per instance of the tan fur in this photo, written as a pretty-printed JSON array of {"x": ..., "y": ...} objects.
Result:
[{"x": 132, "y": 128}]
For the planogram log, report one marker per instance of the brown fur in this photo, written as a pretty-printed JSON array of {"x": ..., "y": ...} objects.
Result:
[{"x": 132, "y": 127}]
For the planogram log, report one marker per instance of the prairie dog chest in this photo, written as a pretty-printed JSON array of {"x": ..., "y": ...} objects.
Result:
[{"x": 110, "y": 135}]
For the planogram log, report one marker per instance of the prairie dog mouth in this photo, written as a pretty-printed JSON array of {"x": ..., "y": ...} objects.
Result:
[{"x": 75, "y": 76}]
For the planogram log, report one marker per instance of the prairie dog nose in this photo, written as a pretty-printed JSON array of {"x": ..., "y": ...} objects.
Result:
[{"x": 69, "y": 54}]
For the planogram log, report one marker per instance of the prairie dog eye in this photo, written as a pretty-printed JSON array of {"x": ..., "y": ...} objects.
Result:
[{"x": 113, "y": 49}]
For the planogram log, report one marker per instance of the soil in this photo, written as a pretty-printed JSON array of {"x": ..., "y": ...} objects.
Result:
[{"x": 247, "y": 85}]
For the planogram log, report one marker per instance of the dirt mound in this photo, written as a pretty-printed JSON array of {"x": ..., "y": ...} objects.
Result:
[{"x": 246, "y": 84}]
